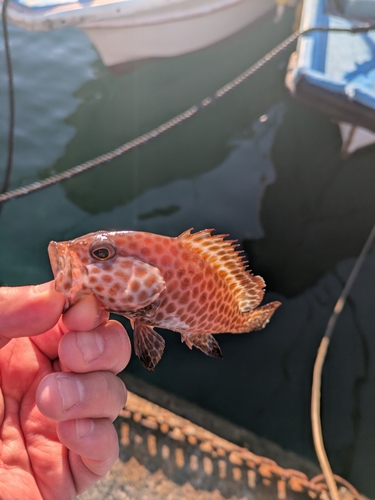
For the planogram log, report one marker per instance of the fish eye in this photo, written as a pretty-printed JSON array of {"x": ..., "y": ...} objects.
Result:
[{"x": 102, "y": 250}]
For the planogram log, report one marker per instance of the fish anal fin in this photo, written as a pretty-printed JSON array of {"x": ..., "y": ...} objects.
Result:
[
  {"x": 258, "y": 319},
  {"x": 206, "y": 343},
  {"x": 148, "y": 345}
]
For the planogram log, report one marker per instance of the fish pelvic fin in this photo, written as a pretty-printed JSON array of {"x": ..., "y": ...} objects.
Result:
[
  {"x": 229, "y": 263},
  {"x": 206, "y": 343},
  {"x": 148, "y": 345},
  {"x": 258, "y": 319}
]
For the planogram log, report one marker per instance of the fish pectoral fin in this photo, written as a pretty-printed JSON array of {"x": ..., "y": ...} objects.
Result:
[
  {"x": 148, "y": 345},
  {"x": 206, "y": 343},
  {"x": 144, "y": 284}
]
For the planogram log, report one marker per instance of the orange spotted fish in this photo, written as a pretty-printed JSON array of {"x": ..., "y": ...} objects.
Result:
[{"x": 196, "y": 284}]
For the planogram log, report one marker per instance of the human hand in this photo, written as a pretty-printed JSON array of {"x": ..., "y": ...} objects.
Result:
[{"x": 59, "y": 393}]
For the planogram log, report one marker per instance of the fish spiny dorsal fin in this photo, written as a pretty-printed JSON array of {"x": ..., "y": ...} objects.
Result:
[{"x": 222, "y": 255}]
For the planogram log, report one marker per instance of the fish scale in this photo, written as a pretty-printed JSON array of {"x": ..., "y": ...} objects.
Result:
[{"x": 196, "y": 284}]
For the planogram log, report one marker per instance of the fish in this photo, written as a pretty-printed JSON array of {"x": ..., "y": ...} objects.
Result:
[{"x": 197, "y": 284}]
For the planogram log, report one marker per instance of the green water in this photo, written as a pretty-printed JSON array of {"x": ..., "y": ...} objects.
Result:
[{"x": 277, "y": 184}]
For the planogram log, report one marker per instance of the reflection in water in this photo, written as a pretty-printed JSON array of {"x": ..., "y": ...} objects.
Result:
[
  {"x": 227, "y": 197},
  {"x": 159, "y": 212},
  {"x": 321, "y": 209},
  {"x": 46, "y": 78},
  {"x": 118, "y": 109}
]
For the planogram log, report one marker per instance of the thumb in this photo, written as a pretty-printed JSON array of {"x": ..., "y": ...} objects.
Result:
[{"x": 28, "y": 310}]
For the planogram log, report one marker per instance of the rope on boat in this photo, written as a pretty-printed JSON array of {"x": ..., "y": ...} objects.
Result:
[{"x": 161, "y": 129}]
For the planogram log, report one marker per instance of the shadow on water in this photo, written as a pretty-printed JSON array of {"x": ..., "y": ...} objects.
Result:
[
  {"x": 321, "y": 209},
  {"x": 227, "y": 197}
]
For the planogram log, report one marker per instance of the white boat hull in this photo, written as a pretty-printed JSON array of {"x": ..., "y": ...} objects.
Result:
[
  {"x": 124, "y": 31},
  {"x": 184, "y": 30}
]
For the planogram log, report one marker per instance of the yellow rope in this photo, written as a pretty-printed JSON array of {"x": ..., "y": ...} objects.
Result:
[
  {"x": 318, "y": 367},
  {"x": 316, "y": 420}
]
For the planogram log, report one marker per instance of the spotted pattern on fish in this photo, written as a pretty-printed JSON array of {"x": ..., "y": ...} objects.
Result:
[{"x": 196, "y": 284}]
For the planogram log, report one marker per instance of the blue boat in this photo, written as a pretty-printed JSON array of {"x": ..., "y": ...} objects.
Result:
[{"x": 333, "y": 71}]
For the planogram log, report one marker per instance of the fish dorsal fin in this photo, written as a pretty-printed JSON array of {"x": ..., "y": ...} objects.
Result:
[{"x": 222, "y": 255}]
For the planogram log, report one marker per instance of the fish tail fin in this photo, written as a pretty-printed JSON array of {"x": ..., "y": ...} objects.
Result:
[{"x": 258, "y": 318}]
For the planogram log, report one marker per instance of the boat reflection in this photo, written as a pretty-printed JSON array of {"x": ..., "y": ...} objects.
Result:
[{"x": 227, "y": 197}]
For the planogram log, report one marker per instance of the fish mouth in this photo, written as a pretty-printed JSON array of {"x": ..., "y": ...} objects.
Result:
[
  {"x": 60, "y": 263},
  {"x": 53, "y": 255},
  {"x": 67, "y": 271}
]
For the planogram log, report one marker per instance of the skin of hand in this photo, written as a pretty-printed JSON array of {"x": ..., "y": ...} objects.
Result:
[{"x": 59, "y": 393}]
